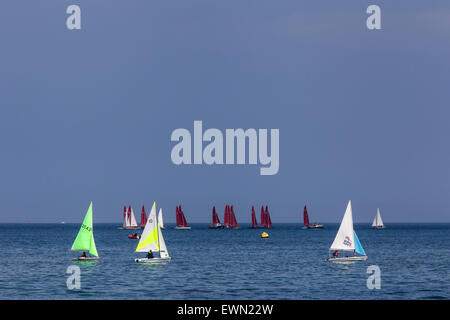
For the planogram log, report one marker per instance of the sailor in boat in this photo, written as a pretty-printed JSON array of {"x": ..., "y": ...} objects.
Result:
[
  {"x": 83, "y": 256},
  {"x": 150, "y": 254},
  {"x": 335, "y": 254}
]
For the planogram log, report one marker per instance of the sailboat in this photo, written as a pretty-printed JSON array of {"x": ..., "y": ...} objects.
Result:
[
  {"x": 129, "y": 220},
  {"x": 254, "y": 222},
  {"x": 233, "y": 221},
  {"x": 346, "y": 240},
  {"x": 160, "y": 219},
  {"x": 85, "y": 239},
  {"x": 267, "y": 217},
  {"x": 377, "y": 222},
  {"x": 143, "y": 217},
  {"x": 215, "y": 220},
  {"x": 306, "y": 221},
  {"x": 181, "y": 220},
  {"x": 226, "y": 217},
  {"x": 263, "y": 218},
  {"x": 152, "y": 239}
]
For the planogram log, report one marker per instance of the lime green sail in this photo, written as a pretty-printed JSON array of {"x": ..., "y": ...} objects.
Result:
[
  {"x": 149, "y": 238},
  {"x": 85, "y": 238}
]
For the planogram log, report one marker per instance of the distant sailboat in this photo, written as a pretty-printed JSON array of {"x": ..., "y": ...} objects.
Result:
[
  {"x": 346, "y": 240},
  {"x": 263, "y": 218},
  {"x": 306, "y": 221},
  {"x": 152, "y": 241},
  {"x": 85, "y": 239},
  {"x": 233, "y": 221},
  {"x": 129, "y": 220},
  {"x": 377, "y": 222},
  {"x": 160, "y": 219},
  {"x": 215, "y": 220},
  {"x": 143, "y": 217},
  {"x": 254, "y": 222},
  {"x": 267, "y": 217},
  {"x": 181, "y": 220}
]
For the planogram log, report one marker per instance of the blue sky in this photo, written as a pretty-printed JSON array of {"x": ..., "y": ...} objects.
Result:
[{"x": 87, "y": 114}]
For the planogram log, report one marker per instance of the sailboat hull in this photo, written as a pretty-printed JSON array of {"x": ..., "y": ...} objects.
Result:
[
  {"x": 182, "y": 228},
  {"x": 347, "y": 259},
  {"x": 152, "y": 260},
  {"x": 86, "y": 259},
  {"x": 379, "y": 227}
]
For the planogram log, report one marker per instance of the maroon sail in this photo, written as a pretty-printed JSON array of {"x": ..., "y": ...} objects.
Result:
[
  {"x": 125, "y": 215},
  {"x": 226, "y": 217},
  {"x": 268, "y": 220},
  {"x": 305, "y": 217},
  {"x": 254, "y": 222},
  {"x": 183, "y": 218},
  {"x": 263, "y": 218},
  {"x": 215, "y": 217},
  {"x": 233, "y": 219},
  {"x": 143, "y": 217},
  {"x": 129, "y": 215},
  {"x": 179, "y": 220}
]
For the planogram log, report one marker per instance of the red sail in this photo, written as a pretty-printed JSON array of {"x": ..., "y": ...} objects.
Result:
[
  {"x": 124, "y": 214},
  {"x": 226, "y": 220},
  {"x": 143, "y": 217},
  {"x": 254, "y": 222},
  {"x": 129, "y": 215},
  {"x": 179, "y": 221},
  {"x": 183, "y": 218},
  {"x": 233, "y": 219},
  {"x": 268, "y": 220},
  {"x": 263, "y": 218},
  {"x": 305, "y": 217},
  {"x": 215, "y": 217}
]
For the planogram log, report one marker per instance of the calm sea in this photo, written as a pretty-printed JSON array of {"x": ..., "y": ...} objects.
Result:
[{"x": 414, "y": 260}]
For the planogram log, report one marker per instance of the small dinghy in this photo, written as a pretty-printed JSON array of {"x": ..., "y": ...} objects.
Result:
[
  {"x": 152, "y": 241},
  {"x": 85, "y": 239},
  {"x": 134, "y": 236},
  {"x": 347, "y": 241}
]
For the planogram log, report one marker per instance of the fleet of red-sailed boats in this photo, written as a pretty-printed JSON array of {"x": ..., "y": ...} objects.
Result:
[{"x": 229, "y": 219}]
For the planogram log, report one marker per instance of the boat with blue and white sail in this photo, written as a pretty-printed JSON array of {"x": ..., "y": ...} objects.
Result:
[{"x": 346, "y": 242}]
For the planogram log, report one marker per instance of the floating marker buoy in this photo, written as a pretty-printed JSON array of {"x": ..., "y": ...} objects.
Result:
[{"x": 264, "y": 235}]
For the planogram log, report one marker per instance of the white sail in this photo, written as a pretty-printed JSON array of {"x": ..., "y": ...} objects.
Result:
[
  {"x": 160, "y": 219},
  {"x": 374, "y": 223},
  {"x": 344, "y": 239},
  {"x": 377, "y": 221},
  {"x": 162, "y": 244},
  {"x": 133, "y": 219},
  {"x": 149, "y": 237}
]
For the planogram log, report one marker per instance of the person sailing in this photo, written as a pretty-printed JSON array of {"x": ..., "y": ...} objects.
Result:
[
  {"x": 150, "y": 254},
  {"x": 83, "y": 256},
  {"x": 335, "y": 254}
]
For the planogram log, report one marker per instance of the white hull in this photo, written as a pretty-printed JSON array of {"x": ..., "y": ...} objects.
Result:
[
  {"x": 379, "y": 227},
  {"x": 347, "y": 259},
  {"x": 152, "y": 260},
  {"x": 182, "y": 228}
]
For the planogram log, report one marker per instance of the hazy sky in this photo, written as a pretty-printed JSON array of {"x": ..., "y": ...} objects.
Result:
[{"x": 87, "y": 114}]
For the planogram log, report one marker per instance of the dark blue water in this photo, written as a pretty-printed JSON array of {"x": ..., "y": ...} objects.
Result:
[{"x": 227, "y": 264}]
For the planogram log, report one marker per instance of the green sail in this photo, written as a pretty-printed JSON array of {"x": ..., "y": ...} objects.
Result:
[{"x": 85, "y": 238}]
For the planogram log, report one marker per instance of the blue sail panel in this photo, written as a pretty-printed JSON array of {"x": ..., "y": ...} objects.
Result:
[{"x": 358, "y": 247}]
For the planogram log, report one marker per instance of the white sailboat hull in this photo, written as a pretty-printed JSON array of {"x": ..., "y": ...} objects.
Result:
[
  {"x": 182, "y": 228},
  {"x": 347, "y": 259},
  {"x": 152, "y": 260}
]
